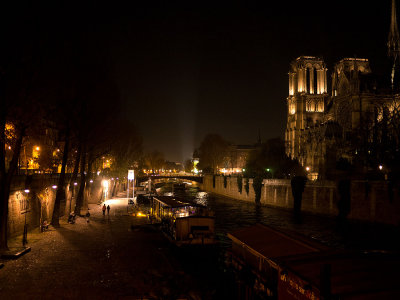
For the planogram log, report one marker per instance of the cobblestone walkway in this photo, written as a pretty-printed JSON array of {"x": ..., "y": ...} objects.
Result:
[{"x": 106, "y": 258}]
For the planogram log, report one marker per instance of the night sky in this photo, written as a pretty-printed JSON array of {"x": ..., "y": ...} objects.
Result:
[{"x": 186, "y": 69}]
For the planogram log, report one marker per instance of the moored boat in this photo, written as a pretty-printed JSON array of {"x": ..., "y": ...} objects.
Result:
[{"x": 183, "y": 221}]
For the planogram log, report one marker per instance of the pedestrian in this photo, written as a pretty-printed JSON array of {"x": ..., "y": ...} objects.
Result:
[
  {"x": 108, "y": 209},
  {"x": 71, "y": 218},
  {"x": 104, "y": 209}
]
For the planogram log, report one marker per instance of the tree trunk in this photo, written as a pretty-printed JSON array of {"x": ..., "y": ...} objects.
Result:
[
  {"x": 3, "y": 192},
  {"x": 79, "y": 197},
  {"x": 61, "y": 181},
  {"x": 89, "y": 177},
  {"x": 75, "y": 174},
  {"x": 5, "y": 181}
]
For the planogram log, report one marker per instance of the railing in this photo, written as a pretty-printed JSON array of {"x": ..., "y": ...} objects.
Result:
[{"x": 196, "y": 178}]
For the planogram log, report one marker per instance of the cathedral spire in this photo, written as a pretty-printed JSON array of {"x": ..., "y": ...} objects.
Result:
[
  {"x": 394, "y": 37},
  {"x": 393, "y": 41}
]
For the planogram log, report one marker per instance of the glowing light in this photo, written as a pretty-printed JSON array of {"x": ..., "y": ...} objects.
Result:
[
  {"x": 75, "y": 183},
  {"x": 182, "y": 214},
  {"x": 9, "y": 147},
  {"x": 307, "y": 169},
  {"x": 54, "y": 186},
  {"x": 37, "y": 148},
  {"x": 27, "y": 191},
  {"x": 91, "y": 181},
  {"x": 105, "y": 184},
  {"x": 380, "y": 167},
  {"x": 139, "y": 214},
  {"x": 98, "y": 173}
]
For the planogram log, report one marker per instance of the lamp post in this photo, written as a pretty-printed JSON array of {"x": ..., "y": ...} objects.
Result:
[{"x": 131, "y": 176}]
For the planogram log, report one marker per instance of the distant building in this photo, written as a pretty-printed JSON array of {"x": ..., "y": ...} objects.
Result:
[
  {"x": 354, "y": 122},
  {"x": 236, "y": 158}
]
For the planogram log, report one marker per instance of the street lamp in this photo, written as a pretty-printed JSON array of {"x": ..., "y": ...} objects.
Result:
[{"x": 131, "y": 176}]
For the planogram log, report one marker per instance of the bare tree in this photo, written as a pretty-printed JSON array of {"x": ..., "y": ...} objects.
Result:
[
  {"x": 212, "y": 151},
  {"x": 21, "y": 94},
  {"x": 154, "y": 160}
]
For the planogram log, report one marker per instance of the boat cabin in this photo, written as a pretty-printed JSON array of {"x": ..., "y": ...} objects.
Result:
[{"x": 184, "y": 221}]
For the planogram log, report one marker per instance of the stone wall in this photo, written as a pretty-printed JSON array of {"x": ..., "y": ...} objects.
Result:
[
  {"x": 374, "y": 201},
  {"x": 38, "y": 204}
]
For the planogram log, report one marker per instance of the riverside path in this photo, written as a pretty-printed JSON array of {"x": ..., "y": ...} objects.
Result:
[{"x": 107, "y": 258}]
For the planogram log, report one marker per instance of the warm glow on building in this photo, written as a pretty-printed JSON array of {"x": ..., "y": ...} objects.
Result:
[
  {"x": 10, "y": 132},
  {"x": 195, "y": 163},
  {"x": 229, "y": 171},
  {"x": 106, "y": 163}
]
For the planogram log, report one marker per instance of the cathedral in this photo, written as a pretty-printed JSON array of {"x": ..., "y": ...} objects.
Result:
[{"x": 354, "y": 124}]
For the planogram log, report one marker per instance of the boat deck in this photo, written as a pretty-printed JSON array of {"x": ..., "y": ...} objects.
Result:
[{"x": 290, "y": 267}]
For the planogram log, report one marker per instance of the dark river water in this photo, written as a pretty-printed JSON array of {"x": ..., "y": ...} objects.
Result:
[
  {"x": 219, "y": 281},
  {"x": 232, "y": 214}
]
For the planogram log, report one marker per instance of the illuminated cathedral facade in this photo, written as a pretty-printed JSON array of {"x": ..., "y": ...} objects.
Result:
[{"x": 356, "y": 122}]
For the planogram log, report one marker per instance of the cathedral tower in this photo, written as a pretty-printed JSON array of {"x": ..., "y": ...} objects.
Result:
[{"x": 306, "y": 101}]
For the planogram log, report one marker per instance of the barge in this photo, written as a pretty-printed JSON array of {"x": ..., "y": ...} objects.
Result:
[
  {"x": 272, "y": 264},
  {"x": 183, "y": 221}
]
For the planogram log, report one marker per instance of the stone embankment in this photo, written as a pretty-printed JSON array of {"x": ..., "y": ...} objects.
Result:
[
  {"x": 32, "y": 199},
  {"x": 372, "y": 201}
]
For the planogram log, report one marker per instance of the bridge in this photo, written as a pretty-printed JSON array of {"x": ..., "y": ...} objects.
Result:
[{"x": 196, "y": 178}]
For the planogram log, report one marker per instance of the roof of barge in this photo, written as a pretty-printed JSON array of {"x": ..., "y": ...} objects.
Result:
[{"x": 173, "y": 201}]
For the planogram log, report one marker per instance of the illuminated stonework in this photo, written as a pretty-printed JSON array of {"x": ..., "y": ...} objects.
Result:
[
  {"x": 307, "y": 99},
  {"x": 357, "y": 122},
  {"x": 319, "y": 126},
  {"x": 307, "y": 75}
]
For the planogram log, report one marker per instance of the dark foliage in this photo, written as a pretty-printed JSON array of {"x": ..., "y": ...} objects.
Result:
[
  {"x": 257, "y": 186},
  {"x": 214, "y": 181},
  {"x": 239, "y": 183},
  {"x": 212, "y": 152},
  {"x": 246, "y": 185},
  {"x": 270, "y": 161}
]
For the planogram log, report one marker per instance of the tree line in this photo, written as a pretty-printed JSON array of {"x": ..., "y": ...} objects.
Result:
[
  {"x": 266, "y": 160},
  {"x": 65, "y": 88}
]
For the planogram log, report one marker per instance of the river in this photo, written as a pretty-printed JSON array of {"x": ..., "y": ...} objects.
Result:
[{"x": 231, "y": 214}]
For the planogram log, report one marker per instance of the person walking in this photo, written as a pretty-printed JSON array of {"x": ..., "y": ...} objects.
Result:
[
  {"x": 104, "y": 209},
  {"x": 87, "y": 216},
  {"x": 108, "y": 209}
]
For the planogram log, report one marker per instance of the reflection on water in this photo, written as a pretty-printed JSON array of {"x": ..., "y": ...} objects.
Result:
[{"x": 232, "y": 214}]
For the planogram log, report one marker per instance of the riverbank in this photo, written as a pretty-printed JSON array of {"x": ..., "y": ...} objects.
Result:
[
  {"x": 365, "y": 200},
  {"x": 114, "y": 256}
]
